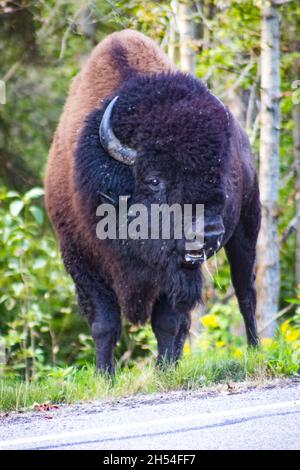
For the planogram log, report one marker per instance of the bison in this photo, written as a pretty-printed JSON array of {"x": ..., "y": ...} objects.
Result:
[{"x": 133, "y": 125}]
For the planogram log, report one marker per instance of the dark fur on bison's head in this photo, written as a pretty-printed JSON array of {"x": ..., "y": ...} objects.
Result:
[{"x": 181, "y": 133}]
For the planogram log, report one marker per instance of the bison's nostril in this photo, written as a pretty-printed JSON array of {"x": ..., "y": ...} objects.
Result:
[
  {"x": 214, "y": 231},
  {"x": 214, "y": 234}
]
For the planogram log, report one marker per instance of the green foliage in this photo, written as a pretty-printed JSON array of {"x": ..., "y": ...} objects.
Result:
[
  {"x": 39, "y": 321},
  {"x": 68, "y": 385},
  {"x": 35, "y": 293}
]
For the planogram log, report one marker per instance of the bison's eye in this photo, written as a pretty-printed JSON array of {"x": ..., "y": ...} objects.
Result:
[{"x": 153, "y": 183}]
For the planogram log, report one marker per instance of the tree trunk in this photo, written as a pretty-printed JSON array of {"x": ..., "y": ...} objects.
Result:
[
  {"x": 268, "y": 247},
  {"x": 186, "y": 34},
  {"x": 207, "y": 13},
  {"x": 172, "y": 32},
  {"x": 296, "y": 144}
]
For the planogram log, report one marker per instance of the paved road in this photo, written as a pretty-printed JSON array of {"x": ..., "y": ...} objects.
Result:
[{"x": 266, "y": 418}]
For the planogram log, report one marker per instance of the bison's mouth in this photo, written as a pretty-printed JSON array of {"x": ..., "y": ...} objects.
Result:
[{"x": 192, "y": 259}]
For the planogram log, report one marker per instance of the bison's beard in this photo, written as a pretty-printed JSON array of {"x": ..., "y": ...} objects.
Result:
[
  {"x": 160, "y": 267},
  {"x": 182, "y": 287}
]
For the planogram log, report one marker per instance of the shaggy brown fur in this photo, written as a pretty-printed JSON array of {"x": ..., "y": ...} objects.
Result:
[{"x": 101, "y": 75}]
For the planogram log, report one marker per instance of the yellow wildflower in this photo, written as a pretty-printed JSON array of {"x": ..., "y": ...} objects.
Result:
[
  {"x": 210, "y": 320},
  {"x": 292, "y": 335},
  {"x": 285, "y": 326},
  {"x": 238, "y": 353},
  {"x": 220, "y": 344},
  {"x": 187, "y": 349}
]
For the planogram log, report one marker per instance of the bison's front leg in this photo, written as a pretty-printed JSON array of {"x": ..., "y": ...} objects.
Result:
[
  {"x": 171, "y": 329},
  {"x": 102, "y": 311},
  {"x": 106, "y": 330}
]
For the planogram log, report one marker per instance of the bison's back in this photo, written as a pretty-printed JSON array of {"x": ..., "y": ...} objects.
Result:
[{"x": 117, "y": 56}]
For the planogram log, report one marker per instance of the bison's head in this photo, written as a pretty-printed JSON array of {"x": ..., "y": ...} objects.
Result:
[{"x": 173, "y": 136}]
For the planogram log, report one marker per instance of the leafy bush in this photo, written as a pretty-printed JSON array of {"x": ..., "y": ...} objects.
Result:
[
  {"x": 36, "y": 296},
  {"x": 39, "y": 321}
]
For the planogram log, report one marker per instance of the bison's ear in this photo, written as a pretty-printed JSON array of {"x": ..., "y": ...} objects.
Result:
[{"x": 111, "y": 143}]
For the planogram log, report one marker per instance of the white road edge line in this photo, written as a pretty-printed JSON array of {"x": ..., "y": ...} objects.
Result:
[{"x": 126, "y": 427}]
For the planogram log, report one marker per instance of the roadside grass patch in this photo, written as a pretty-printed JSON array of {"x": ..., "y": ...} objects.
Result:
[{"x": 195, "y": 370}]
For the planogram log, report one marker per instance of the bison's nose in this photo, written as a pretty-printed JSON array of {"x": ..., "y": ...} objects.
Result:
[{"x": 213, "y": 234}]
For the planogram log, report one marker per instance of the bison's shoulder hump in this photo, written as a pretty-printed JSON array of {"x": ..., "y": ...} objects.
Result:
[
  {"x": 112, "y": 60},
  {"x": 129, "y": 50}
]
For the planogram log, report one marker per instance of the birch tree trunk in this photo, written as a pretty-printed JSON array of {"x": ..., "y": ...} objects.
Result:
[
  {"x": 207, "y": 13},
  {"x": 268, "y": 247},
  {"x": 296, "y": 145},
  {"x": 186, "y": 35},
  {"x": 172, "y": 32}
]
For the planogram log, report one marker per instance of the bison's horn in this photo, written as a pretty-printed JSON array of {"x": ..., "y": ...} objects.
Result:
[{"x": 111, "y": 143}]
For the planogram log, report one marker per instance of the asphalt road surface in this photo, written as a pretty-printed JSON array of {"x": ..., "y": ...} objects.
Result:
[{"x": 264, "y": 418}]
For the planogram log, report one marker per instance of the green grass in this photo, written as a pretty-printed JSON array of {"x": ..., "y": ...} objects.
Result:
[{"x": 193, "y": 372}]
